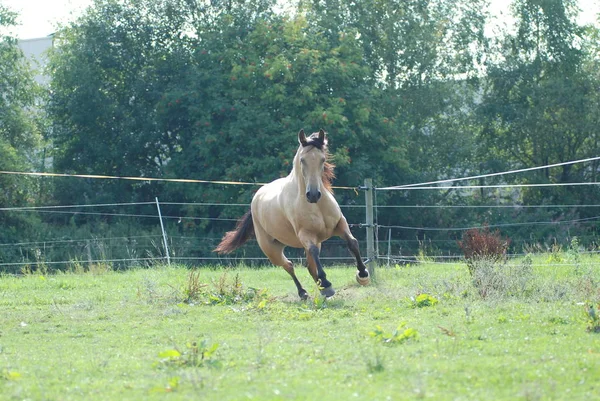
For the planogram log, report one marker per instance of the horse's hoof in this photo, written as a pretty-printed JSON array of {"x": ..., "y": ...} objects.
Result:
[
  {"x": 363, "y": 280},
  {"x": 328, "y": 292},
  {"x": 303, "y": 295}
]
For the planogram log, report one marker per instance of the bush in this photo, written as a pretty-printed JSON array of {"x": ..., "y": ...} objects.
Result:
[{"x": 482, "y": 244}]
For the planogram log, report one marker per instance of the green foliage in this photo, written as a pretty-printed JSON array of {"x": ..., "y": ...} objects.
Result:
[
  {"x": 537, "y": 107},
  {"x": 196, "y": 354},
  {"x": 398, "y": 336},
  {"x": 423, "y": 300},
  {"x": 21, "y": 144}
]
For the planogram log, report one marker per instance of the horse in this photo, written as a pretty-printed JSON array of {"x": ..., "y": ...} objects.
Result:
[{"x": 299, "y": 211}]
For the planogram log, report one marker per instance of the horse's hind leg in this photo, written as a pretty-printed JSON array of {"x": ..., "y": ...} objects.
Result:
[
  {"x": 289, "y": 267},
  {"x": 343, "y": 230},
  {"x": 279, "y": 259},
  {"x": 274, "y": 251}
]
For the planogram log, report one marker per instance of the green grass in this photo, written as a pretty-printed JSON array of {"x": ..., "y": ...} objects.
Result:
[{"x": 132, "y": 335}]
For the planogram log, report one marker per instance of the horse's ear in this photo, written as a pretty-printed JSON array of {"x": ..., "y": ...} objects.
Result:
[
  {"x": 322, "y": 136},
  {"x": 302, "y": 138}
]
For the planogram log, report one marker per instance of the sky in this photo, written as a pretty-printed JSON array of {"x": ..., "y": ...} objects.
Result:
[{"x": 39, "y": 18}]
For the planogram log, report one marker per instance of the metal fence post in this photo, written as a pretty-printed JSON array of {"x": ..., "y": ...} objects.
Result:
[
  {"x": 164, "y": 234},
  {"x": 371, "y": 256}
]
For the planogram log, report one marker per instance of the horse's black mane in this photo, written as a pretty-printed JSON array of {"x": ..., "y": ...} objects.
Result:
[{"x": 314, "y": 140}]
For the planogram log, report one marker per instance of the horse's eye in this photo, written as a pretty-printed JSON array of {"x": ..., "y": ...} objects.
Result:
[{"x": 302, "y": 161}]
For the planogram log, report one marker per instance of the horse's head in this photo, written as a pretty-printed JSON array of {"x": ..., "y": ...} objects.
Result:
[{"x": 311, "y": 158}]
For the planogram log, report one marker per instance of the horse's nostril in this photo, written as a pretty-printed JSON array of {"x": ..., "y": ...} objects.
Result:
[{"x": 319, "y": 195}]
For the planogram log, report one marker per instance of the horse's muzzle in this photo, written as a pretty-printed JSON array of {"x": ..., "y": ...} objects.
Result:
[{"x": 313, "y": 196}]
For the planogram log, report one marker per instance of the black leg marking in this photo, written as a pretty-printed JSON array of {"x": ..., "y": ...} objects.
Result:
[
  {"x": 324, "y": 284},
  {"x": 301, "y": 291},
  {"x": 353, "y": 247}
]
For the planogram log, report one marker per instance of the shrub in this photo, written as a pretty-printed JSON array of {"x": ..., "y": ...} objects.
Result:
[
  {"x": 482, "y": 244},
  {"x": 493, "y": 280}
]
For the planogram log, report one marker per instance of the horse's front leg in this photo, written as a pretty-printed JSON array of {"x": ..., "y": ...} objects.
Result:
[
  {"x": 343, "y": 230},
  {"x": 316, "y": 268}
]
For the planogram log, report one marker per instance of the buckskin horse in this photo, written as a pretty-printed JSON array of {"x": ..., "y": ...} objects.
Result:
[{"x": 298, "y": 211}]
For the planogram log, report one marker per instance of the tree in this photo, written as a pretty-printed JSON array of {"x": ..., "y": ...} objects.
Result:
[
  {"x": 538, "y": 106},
  {"x": 254, "y": 81},
  {"x": 425, "y": 58},
  {"x": 20, "y": 136},
  {"x": 109, "y": 71}
]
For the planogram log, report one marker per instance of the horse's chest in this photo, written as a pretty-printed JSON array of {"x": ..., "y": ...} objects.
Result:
[{"x": 317, "y": 222}]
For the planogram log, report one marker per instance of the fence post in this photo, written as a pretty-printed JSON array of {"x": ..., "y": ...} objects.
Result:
[
  {"x": 371, "y": 256},
  {"x": 164, "y": 234}
]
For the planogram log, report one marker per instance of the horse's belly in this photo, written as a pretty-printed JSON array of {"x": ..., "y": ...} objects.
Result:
[{"x": 275, "y": 224}]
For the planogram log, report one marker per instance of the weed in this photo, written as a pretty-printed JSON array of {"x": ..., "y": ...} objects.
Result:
[
  {"x": 592, "y": 318},
  {"x": 226, "y": 292},
  {"x": 448, "y": 332},
  {"x": 10, "y": 375},
  {"x": 493, "y": 280},
  {"x": 468, "y": 315},
  {"x": 556, "y": 254},
  {"x": 232, "y": 292},
  {"x": 398, "y": 336},
  {"x": 39, "y": 269},
  {"x": 376, "y": 365},
  {"x": 573, "y": 253},
  {"x": 193, "y": 290},
  {"x": 194, "y": 355},
  {"x": 423, "y": 300},
  {"x": 424, "y": 249},
  {"x": 558, "y": 320},
  {"x": 172, "y": 385},
  {"x": 100, "y": 268},
  {"x": 152, "y": 293},
  {"x": 76, "y": 267}
]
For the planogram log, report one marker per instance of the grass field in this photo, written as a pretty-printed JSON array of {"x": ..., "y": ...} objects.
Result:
[{"x": 426, "y": 331}]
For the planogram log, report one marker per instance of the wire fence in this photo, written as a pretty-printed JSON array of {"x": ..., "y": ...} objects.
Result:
[
  {"x": 138, "y": 234},
  {"x": 67, "y": 249}
]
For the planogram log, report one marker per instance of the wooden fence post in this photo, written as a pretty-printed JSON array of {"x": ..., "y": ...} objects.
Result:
[{"x": 371, "y": 255}]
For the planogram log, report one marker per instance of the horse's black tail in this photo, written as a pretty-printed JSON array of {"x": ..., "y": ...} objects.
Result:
[{"x": 232, "y": 240}]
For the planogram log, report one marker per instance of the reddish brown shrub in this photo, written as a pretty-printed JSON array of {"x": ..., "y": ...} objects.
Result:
[{"x": 482, "y": 244}]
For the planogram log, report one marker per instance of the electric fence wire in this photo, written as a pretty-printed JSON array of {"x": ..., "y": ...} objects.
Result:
[
  {"x": 422, "y": 184},
  {"x": 587, "y": 219}
]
